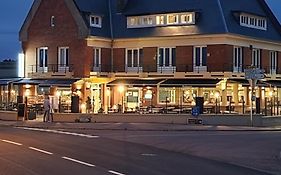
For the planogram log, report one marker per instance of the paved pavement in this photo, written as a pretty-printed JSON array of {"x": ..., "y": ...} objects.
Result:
[{"x": 132, "y": 126}]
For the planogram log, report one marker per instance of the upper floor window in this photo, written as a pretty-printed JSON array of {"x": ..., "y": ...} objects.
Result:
[
  {"x": 256, "y": 58},
  {"x": 42, "y": 59},
  {"x": 134, "y": 59},
  {"x": 273, "y": 62},
  {"x": 253, "y": 21},
  {"x": 200, "y": 56},
  {"x": 95, "y": 21},
  {"x": 173, "y": 19},
  {"x": 63, "y": 60},
  {"x": 97, "y": 57},
  {"x": 52, "y": 21},
  {"x": 185, "y": 18},
  {"x": 237, "y": 59},
  {"x": 167, "y": 57}
]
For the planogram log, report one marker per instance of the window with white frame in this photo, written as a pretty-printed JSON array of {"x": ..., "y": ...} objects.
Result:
[
  {"x": 134, "y": 59},
  {"x": 97, "y": 58},
  {"x": 273, "y": 62},
  {"x": 237, "y": 59},
  {"x": 173, "y": 19},
  {"x": 256, "y": 58},
  {"x": 184, "y": 18},
  {"x": 63, "y": 59},
  {"x": 166, "y": 57},
  {"x": 160, "y": 20},
  {"x": 95, "y": 21},
  {"x": 42, "y": 57},
  {"x": 167, "y": 95},
  {"x": 253, "y": 21},
  {"x": 200, "y": 56}
]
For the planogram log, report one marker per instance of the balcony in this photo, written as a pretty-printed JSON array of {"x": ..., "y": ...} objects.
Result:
[{"x": 50, "y": 70}]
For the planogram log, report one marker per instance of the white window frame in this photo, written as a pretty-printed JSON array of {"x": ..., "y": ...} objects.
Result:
[
  {"x": 95, "y": 21},
  {"x": 172, "y": 96},
  {"x": 201, "y": 67},
  {"x": 52, "y": 21},
  {"x": 237, "y": 59},
  {"x": 160, "y": 20},
  {"x": 44, "y": 59},
  {"x": 256, "y": 58},
  {"x": 252, "y": 21},
  {"x": 176, "y": 18},
  {"x": 63, "y": 60},
  {"x": 164, "y": 67},
  {"x": 273, "y": 62},
  {"x": 97, "y": 59},
  {"x": 132, "y": 67}
]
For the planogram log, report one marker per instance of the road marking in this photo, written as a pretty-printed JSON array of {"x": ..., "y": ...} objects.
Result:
[
  {"x": 115, "y": 172},
  {"x": 40, "y": 150},
  {"x": 148, "y": 154},
  {"x": 78, "y": 161},
  {"x": 60, "y": 132},
  {"x": 11, "y": 142}
]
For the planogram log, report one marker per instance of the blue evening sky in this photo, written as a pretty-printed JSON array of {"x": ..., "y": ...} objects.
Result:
[{"x": 13, "y": 13}]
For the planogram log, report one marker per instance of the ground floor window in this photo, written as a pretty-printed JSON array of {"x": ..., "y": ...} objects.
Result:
[{"x": 167, "y": 95}]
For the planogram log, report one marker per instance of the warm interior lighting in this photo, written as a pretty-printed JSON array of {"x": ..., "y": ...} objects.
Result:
[{"x": 121, "y": 88}]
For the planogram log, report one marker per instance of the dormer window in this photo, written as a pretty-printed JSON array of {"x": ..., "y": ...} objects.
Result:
[
  {"x": 253, "y": 21},
  {"x": 95, "y": 21},
  {"x": 168, "y": 19}
]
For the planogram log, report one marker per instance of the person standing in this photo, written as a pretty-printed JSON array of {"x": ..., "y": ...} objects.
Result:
[{"x": 46, "y": 106}]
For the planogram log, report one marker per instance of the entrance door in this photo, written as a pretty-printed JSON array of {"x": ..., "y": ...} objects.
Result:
[{"x": 42, "y": 56}]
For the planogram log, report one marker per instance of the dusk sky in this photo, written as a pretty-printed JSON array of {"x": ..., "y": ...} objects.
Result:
[{"x": 13, "y": 13}]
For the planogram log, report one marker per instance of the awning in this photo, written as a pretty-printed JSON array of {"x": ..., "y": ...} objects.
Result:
[
  {"x": 245, "y": 82},
  {"x": 190, "y": 82},
  {"x": 135, "y": 82},
  {"x": 25, "y": 81},
  {"x": 274, "y": 83},
  {"x": 5, "y": 82},
  {"x": 47, "y": 82},
  {"x": 55, "y": 82}
]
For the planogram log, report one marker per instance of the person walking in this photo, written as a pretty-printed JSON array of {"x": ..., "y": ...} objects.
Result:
[{"x": 46, "y": 106}]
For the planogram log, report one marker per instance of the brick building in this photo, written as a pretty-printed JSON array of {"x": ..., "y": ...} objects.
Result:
[{"x": 135, "y": 54}]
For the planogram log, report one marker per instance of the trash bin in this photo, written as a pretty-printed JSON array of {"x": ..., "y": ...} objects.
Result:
[{"x": 32, "y": 114}]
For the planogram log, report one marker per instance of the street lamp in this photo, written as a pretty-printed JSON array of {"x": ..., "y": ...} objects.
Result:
[{"x": 121, "y": 90}]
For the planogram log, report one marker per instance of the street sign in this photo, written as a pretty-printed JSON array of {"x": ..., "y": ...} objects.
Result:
[{"x": 254, "y": 73}]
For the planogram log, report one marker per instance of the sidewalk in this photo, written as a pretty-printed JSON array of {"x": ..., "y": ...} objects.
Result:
[{"x": 132, "y": 126}]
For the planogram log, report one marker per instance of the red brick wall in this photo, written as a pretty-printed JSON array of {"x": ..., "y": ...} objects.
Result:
[
  {"x": 247, "y": 56},
  {"x": 119, "y": 60},
  {"x": 219, "y": 58},
  {"x": 184, "y": 58},
  {"x": 106, "y": 59},
  {"x": 150, "y": 59},
  {"x": 63, "y": 34},
  {"x": 265, "y": 60}
]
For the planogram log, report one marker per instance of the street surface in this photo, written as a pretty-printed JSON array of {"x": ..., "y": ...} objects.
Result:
[{"x": 46, "y": 150}]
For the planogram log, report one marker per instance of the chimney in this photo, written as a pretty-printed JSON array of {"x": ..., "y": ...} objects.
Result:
[{"x": 121, "y": 5}]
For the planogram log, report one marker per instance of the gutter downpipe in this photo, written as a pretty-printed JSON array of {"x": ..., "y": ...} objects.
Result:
[{"x": 111, "y": 34}]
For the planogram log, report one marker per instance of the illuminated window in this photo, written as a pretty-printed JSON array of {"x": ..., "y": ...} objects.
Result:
[
  {"x": 160, "y": 20},
  {"x": 172, "y": 19}
]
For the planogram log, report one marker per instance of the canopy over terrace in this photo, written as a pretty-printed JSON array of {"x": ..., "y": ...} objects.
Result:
[{"x": 135, "y": 82}]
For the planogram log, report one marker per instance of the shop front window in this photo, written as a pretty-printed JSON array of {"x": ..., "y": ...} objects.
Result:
[{"x": 167, "y": 95}]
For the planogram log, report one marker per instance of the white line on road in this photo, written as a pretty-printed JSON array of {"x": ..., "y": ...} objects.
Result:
[
  {"x": 148, "y": 154},
  {"x": 78, "y": 161},
  {"x": 59, "y": 132},
  {"x": 115, "y": 172},
  {"x": 11, "y": 142},
  {"x": 40, "y": 150}
]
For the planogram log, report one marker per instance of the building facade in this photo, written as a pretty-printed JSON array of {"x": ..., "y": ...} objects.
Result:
[{"x": 131, "y": 55}]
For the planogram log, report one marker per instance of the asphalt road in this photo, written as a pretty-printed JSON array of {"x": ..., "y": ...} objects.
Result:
[{"x": 46, "y": 152}]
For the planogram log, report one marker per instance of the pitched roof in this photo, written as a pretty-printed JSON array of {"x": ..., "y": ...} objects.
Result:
[{"x": 213, "y": 17}]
